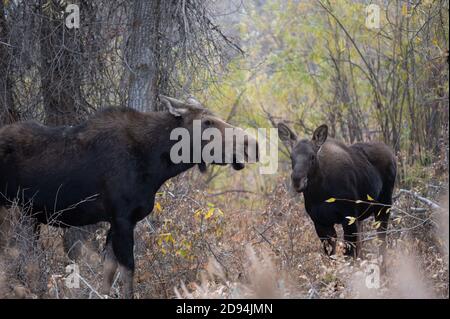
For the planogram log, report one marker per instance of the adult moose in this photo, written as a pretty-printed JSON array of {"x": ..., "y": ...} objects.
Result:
[
  {"x": 324, "y": 168},
  {"x": 108, "y": 168}
]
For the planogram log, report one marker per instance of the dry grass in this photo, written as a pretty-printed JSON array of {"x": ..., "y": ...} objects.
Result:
[{"x": 238, "y": 245}]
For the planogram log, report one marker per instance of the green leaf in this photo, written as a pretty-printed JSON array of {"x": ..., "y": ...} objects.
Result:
[{"x": 331, "y": 200}]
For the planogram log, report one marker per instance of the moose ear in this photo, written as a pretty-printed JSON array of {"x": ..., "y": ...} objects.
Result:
[
  {"x": 193, "y": 102},
  {"x": 320, "y": 135},
  {"x": 174, "y": 106},
  {"x": 287, "y": 136}
]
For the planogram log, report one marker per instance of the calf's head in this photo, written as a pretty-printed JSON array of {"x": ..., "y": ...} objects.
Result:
[
  {"x": 217, "y": 141},
  {"x": 303, "y": 153}
]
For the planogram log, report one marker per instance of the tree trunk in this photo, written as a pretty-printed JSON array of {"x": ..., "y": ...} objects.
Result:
[
  {"x": 143, "y": 55},
  {"x": 61, "y": 58},
  {"x": 7, "y": 112}
]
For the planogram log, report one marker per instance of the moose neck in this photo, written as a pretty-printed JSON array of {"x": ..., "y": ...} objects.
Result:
[
  {"x": 314, "y": 181},
  {"x": 157, "y": 145}
]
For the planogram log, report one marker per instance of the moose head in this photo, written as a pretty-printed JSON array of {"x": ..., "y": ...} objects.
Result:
[
  {"x": 303, "y": 153},
  {"x": 206, "y": 138}
]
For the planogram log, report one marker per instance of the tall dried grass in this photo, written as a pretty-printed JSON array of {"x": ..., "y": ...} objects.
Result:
[{"x": 235, "y": 244}]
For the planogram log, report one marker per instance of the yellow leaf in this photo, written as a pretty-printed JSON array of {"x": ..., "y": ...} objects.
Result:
[
  {"x": 331, "y": 200},
  {"x": 197, "y": 213},
  {"x": 377, "y": 224},
  {"x": 209, "y": 213},
  {"x": 351, "y": 219},
  {"x": 369, "y": 198},
  {"x": 379, "y": 212},
  {"x": 166, "y": 237},
  {"x": 405, "y": 9},
  {"x": 158, "y": 207}
]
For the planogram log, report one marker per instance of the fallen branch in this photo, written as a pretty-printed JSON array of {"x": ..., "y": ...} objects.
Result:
[
  {"x": 90, "y": 287},
  {"x": 230, "y": 191},
  {"x": 420, "y": 198}
]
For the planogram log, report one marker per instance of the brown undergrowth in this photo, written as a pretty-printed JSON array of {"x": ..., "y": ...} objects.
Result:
[{"x": 200, "y": 243}]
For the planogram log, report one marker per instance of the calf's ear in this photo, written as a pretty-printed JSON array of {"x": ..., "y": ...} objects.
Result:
[
  {"x": 320, "y": 135},
  {"x": 287, "y": 136}
]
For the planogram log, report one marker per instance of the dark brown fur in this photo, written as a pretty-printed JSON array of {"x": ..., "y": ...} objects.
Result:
[
  {"x": 106, "y": 169},
  {"x": 325, "y": 168}
]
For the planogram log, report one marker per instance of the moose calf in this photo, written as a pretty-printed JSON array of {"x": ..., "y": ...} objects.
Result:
[{"x": 341, "y": 184}]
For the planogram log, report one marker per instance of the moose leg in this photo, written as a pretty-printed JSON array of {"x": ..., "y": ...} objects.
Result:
[
  {"x": 327, "y": 235},
  {"x": 36, "y": 233},
  {"x": 351, "y": 239},
  {"x": 123, "y": 243},
  {"x": 36, "y": 230},
  {"x": 109, "y": 265},
  {"x": 383, "y": 218},
  {"x": 360, "y": 226}
]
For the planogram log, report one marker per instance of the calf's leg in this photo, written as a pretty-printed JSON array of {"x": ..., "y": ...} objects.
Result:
[
  {"x": 383, "y": 218},
  {"x": 327, "y": 235},
  {"x": 351, "y": 239}
]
